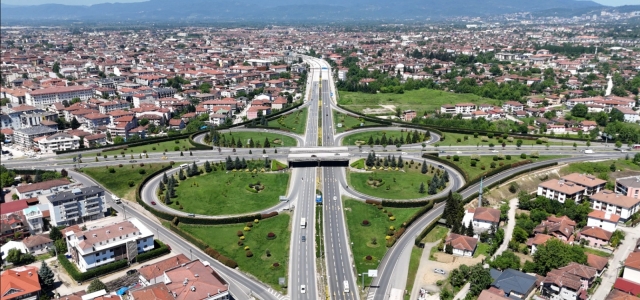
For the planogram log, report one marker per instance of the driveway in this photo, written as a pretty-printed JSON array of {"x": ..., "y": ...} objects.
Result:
[
  {"x": 511, "y": 223},
  {"x": 610, "y": 275}
]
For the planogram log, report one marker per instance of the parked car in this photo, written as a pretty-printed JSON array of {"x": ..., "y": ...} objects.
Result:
[
  {"x": 132, "y": 271},
  {"x": 439, "y": 271}
]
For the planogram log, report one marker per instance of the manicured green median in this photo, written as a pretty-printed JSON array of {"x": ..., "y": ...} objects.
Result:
[
  {"x": 122, "y": 181},
  {"x": 242, "y": 139},
  {"x": 484, "y": 141},
  {"x": 224, "y": 238},
  {"x": 168, "y": 146},
  {"x": 362, "y": 237},
  {"x": 392, "y": 184},
  {"x": 348, "y": 122},
  {"x": 475, "y": 166},
  {"x": 228, "y": 193},
  {"x": 295, "y": 122},
  {"x": 386, "y": 137}
]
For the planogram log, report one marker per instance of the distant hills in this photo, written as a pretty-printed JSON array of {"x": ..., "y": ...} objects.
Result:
[{"x": 247, "y": 11}]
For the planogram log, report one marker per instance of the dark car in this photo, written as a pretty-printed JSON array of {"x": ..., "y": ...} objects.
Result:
[
  {"x": 153, "y": 203},
  {"x": 132, "y": 272},
  {"x": 304, "y": 238}
]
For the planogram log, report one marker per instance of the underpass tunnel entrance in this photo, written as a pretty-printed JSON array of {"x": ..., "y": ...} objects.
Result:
[{"x": 322, "y": 163}]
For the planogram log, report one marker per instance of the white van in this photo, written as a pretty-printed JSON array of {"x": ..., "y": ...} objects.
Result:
[
  {"x": 184, "y": 166},
  {"x": 303, "y": 222},
  {"x": 346, "y": 286}
]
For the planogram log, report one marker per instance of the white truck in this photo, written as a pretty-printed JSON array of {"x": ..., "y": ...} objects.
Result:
[
  {"x": 346, "y": 286},
  {"x": 587, "y": 151},
  {"x": 303, "y": 223}
]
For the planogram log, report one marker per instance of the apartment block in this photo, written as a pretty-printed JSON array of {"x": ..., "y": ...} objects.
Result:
[
  {"x": 617, "y": 204},
  {"x": 560, "y": 190},
  {"x": 76, "y": 206},
  {"x": 44, "y": 97}
]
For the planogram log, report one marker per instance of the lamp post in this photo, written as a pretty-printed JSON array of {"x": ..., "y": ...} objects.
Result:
[
  {"x": 191, "y": 253},
  {"x": 362, "y": 280}
]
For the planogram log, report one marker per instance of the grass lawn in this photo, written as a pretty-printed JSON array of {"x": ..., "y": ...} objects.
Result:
[
  {"x": 275, "y": 140},
  {"x": 225, "y": 241},
  {"x": 451, "y": 139},
  {"x": 414, "y": 263},
  {"x": 119, "y": 181},
  {"x": 169, "y": 146},
  {"x": 358, "y": 164},
  {"x": 482, "y": 249},
  {"x": 601, "y": 166},
  {"x": 362, "y": 138},
  {"x": 294, "y": 122},
  {"x": 464, "y": 163},
  {"x": 362, "y": 236},
  {"x": 395, "y": 184},
  {"x": 276, "y": 165},
  {"x": 436, "y": 234},
  {"x": 597, "y": 252},
  {"x": 348, "y": 122},
  {"x": 43, "y": 256},
  {"x": 225, "y": 193},
  {"x": 418, "y": 100}
]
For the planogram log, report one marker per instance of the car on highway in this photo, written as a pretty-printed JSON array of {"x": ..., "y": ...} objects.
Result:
[
  {"x": 116, "y": 199},
  {"x": 442, "y": 151},
  {"x": 153, "y": 203},
  {"x": 335, "y": 198},
  {"x": 265, "y": 155},
  {"x": 441, "y": 166},
  {"x": 133, "y": 160},
  {"x": 304, "y": 238},
  {"x": 303, "y": 289},
  {"x": 495, "y": 151},
  {"x": 439, "y": 271},
  {"x": 403, "y": 153}
]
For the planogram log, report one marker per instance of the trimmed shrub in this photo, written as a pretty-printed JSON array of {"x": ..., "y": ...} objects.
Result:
[
  {"x": 365, "y": 223},
  {"x": 159, "y": 249},
  {"x": 249, "y": 254},
  {"x": 368, "y": 257},
  {"x": 239, "y": 233},
  {"x": 275, "y": 265},
  {"x": 271, "y": 236}
]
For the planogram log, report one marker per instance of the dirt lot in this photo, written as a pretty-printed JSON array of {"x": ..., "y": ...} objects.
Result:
[{"x": 427, "y": 279}]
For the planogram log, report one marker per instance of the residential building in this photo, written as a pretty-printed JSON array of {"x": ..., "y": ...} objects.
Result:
[
  {"x": 492, "y": 294},
  {"x": 109, "y": 106},
  {"x": 632, "y": 267},
  {"x": 194, "y": 281},
  {"x": 595, "y": 236},
  {"x": 560, "y": 190},
  {"x": 514, "y": 284},
  {"x": 34, "y": 219},
  {"x": 562, "y": 286},
  {"x": 42, "y": 188},
  {"x": 60, "y": 141},
  {"x": 95, "y": 120},
  {"x": 217, "y": 119},
  {"x": 24, "y": 137},
  {"x": 20, "y": 283},
  {"x": 95, "y": 140},
  {"x": 621, "y": 205},
  {"x": 76, "y": 206},
  {"x": 257, "y": 110},
  {"x": 408, "y": 115},
  {"x": 512, "y": 106},
  {"x": 626, "y": 286},
  {"x": 44, "y": 97},
  {"x": 96, "y": 247},
  {"x": 628, "y": 186},
  {"x": 630, "y": 115},
  {"x": 37, "y": 244},
  {"x": 483, "y": 218},
  {"x": 448, "y": 109},
  {"x": 462, "y": 245},
  {"x": 597, "y": 262},
  {"x": 603, "y": 219},
  {"x": 620, "y": 295},
  {"x": 152, "y": 274},
  {"x": 158, "y": 291},
  {"x": 537, "y": 240},
  {"x": 559, "y": 227},
  {"x": 591, "y": 183}
]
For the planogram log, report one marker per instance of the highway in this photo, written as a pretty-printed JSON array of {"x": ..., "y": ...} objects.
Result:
[{"x": 302, "y": 257}]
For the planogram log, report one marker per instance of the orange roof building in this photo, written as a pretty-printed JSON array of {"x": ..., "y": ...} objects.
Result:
[{"x": 20, "y": 283}]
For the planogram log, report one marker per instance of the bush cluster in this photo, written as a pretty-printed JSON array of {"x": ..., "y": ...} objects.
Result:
[{"x": 101, "y": 270}]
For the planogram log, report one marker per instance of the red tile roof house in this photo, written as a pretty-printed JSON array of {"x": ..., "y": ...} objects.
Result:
[
  {"x": 597, "y": 262},
  {"x": 152, "y": 274},
  {"x": 595, "y": 236},
  {"x": 20, "y": 283},
  {"x": 619, "y": 294},
  {"x": 617, "y": 204},
  {"x": 176, "y": 124},
  {"x": 462, "y": 245},
  {"x": 626, "y": 286},
  {"x": 42, "y": 188},
  {"x": 252, "y": 113},
  {"x": 534, "y": 242},
  {"x": 632, "y": 267},
  {"x": 558, "y": 227}
]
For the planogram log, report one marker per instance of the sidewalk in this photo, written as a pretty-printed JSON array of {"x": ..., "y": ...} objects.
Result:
[
  {"x": 423, "y": 269},
  {"x": 463, "y": 292}
]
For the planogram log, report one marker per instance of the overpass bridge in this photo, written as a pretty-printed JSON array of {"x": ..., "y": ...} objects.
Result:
[{"x": 319, "y": 157}]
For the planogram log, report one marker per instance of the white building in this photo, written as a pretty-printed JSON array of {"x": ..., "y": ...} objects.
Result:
[
  {"x": 24, "y": 137},
  {"x": 603, "y": 219},
  {"x": 34, "y": 218},
  {"x": 44, "y": 97},
  {"x": 57, "y": 142},
  {"x": 96, "y": 247},
  {"x": 560, "y": 190},
  {"x": 617, "y": 204},
  {"x": 483, "y": 218},
  {"x": 42, "y": 188},
  {"x": 632, "y": 267},
  {"x": 76, "y": 206}
]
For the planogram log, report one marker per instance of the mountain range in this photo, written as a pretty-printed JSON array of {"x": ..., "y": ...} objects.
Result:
[{"x": 246, "y": 11}]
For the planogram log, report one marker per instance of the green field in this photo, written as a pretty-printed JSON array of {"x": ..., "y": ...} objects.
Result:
[
  {"x": 225, "y": 193},
  {"x": 295, "y": 122},
  {"x": 464, "y": 163},
  {"x": 396, "y": 184},
  {"x": 601, "y": 166},
  {"x": 348, "y": 122},
  {"x": 362, "y": 236},
  {"x": 118, "y": 182},
  {"x": 458, "y": 139},
  {"x": 482, "y": 249},
  {"x": 275, "y": 140},
  {"x": 419, "y": 100},
  {"x": 224, "y": 239},
  {"x": 363, "y": 137},
  {"x": 436, "y": 234},
  {"x": 168, "y": 146}
]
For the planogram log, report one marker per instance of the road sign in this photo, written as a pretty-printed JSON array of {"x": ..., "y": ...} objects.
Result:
[{"x": 373, "y": 273}]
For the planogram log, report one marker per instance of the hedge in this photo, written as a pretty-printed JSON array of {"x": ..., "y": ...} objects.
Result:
[
  {"x": 430, "y": 156},
  {"x": 221, "y": 258},
  {"x": 269, "y": 215},
  {"x": 157, "y": 213},
  {"x": 159, "y": 249},
  {"x": 367, "y": 126},
  {"x": 146, "y": 141},
  {"x": 220, "y": 221},
  {"x": 29, "y": 172},
  {"x": 90, "y": 274},
  {"x": 425, "y": 231},
  {"x": 195, "y": 241},
  {"x": 375, "y": 202}
]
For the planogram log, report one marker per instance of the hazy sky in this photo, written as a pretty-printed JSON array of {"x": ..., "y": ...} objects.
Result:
[{"x": 89, "y": 2}]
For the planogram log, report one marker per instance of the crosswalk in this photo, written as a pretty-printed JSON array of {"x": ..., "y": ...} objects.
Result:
[
  {"x": 278, "y": 295},
  {"x": 371, "y": 295}
]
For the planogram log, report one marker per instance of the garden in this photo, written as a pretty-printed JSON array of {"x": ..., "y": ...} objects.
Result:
[
  {"x": 386, "y": 137},
  {"x": 225, "y": 188},
  {"x": 137, "y": 151},
  {"x": 122, "y": 179},
  {"x": 250, "y": 139},
  {"x": 295, "y": 122},
  {"x": 261, "y": 248},
  {"x": 369, "y": 226},
  {"x": 349, "y": 122},
  {"x": 395, "y": 178}
]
